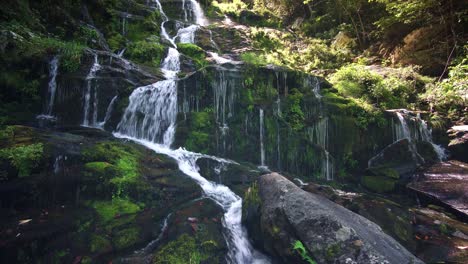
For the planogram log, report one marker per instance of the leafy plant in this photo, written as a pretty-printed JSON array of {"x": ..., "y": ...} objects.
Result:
[
  {"x": 302, "y": 251},
  {"x": 24, "y": 158}
]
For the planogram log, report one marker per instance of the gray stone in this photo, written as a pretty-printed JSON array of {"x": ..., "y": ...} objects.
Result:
[{"x": 330, "y": 233}]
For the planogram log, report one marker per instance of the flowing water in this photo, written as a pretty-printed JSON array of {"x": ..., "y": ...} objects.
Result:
[
  {"x": 262, "y": 134},
  {"x": 87, "y": 97},
  {"x": 420, "y": 132},
  {"x": 109, "y": 110},
  {"x": 150, "y": 120},
  {"x": 52, "y": 88}
]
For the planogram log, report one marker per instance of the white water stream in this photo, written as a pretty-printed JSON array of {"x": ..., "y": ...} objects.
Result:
[{"x": 150, "y": 120}]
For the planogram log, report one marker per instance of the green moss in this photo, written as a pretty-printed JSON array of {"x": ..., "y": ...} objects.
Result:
[
  {"x": 180, "y": 251},
  {"x": 98, "y": 166},
  {"x": 99, "y": 243},
  {"x": 126, "y": 237},
  {"x": 146, "y": 52},
  {"x": 294, "y": 114},
  {"x": 194, "y": 52},
  {"x": 378, "y": 184},
  {"x": 332, "y": 252},
  {"x": 199, "y": 138},
  {"x": 108, "y": 210},
  {"x": 385, "y": 172},
  {"x": 117, "y": 162}
]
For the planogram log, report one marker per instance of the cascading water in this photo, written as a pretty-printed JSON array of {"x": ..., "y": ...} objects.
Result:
[
  {"x": 150, "y": 120},
  {"x": 87, "y": 97},
  {"x": 318, "y": 133},
  {"x": 420, "y": 133},
  {"x": 52, "y": 87},
  {"x": 426, "y": 135}
]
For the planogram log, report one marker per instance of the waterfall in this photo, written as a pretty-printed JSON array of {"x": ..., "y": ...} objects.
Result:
[
  {"x": 426, "y": 135},
  {"x": 150, "y": 120},
  {"x": 318, "y": 134},
  {"x": 197, "y": 11},
  {"x": 262, "y": 132},
  {"x": 278, "y": 138},
  {"x": 219, "y": 96},
  {"x": 421, "y": 133},
  {"x": 185, "y": 11},
  {"x": 52, "y": 87},
  {"x": 87, "y": 97}
]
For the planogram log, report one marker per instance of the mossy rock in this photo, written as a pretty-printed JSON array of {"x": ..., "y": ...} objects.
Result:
[
  {"x": 378, "y": 184},
  {"x": 385, "y": 172},
  {"x": 99, "y": 244},
  {"x": 126, "y": 238},
  {"x": 194, "y": 52},
  {"x": 180, "y": 251},
  {"x": 426, "y": 150},
  {"x": 108, "y": 210}
]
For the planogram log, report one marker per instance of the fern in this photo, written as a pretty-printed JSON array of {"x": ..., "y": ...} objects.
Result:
[{"x": 302, "y": 251}]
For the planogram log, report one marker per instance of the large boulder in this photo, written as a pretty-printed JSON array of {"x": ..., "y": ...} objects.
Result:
[
  {"x": 300, "y": 226},
  {"x": 458, "y": 145}
]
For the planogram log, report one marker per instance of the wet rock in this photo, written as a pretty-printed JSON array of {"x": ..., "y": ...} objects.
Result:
[
  {"x": 236, "y": 176},
  {"x": 185, "y": 237},
  {"x": 115, "y": 77},
  {"x": 445, "y": 183},
  {"x": 329, "y": 232},
  {"x": 399, "y": 156}
]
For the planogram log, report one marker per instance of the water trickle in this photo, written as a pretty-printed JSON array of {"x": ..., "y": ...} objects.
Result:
[
  {"x": 213, "y": 43},
  {"x": 262, "y": 132},
  {"x": 197, "y": 11},
  {"x": 109, "y": 110},
  {"x": 52, "y": 86},
  {"x": 87, "y": 97},
  {"x": 121, "y": 53},
  {"x": 318, "y": 134},
  {"x": 185, "y": 11},
  {"x": 58, "y": 163}
]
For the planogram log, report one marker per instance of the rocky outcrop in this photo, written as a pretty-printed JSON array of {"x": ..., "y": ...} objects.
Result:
[
  {"x": 329, "y": 233},
  {"x": 445, "y": 183}
]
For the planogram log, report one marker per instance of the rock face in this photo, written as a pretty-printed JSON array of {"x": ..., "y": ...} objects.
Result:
[{"x": 330, "y": 233}]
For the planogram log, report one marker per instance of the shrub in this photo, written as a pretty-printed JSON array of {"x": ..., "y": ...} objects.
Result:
[
  {"x": 396, "y": 90},
  {"x": 254, "y": 58},
  {"x": 24, "y": 158},
  {"x": 450, "y": 95}
]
